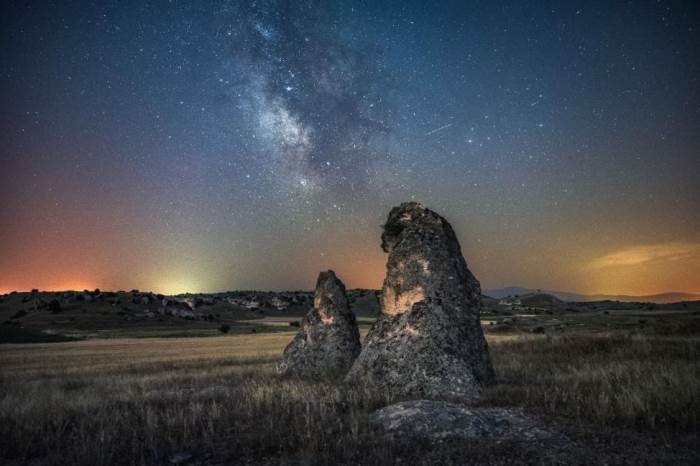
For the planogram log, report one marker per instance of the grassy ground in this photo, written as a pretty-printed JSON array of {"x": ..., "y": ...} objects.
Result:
[
  {"x": 619, "y": 398},
  {"x": 606, "y": 379},
  {"x": 26, "y": 335}
]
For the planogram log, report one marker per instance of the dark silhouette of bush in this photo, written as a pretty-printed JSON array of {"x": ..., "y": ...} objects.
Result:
[
  {"x": 224, "y": 328},
  {"x": 54, "y": 306}
]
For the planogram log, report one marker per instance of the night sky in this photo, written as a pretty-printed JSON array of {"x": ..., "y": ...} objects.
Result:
[{"x": 209, "y": 146}]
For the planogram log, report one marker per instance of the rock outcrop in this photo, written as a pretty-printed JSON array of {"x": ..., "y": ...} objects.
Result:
[
  {"x": 172, "y": 307},
  {"x": 328, "y": 340},
  {"x": 439, "y": 420},
  {"x": 428, "y": 340}
]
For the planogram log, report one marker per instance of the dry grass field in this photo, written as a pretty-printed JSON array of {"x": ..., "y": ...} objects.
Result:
[{"x": 619, "y": 398}]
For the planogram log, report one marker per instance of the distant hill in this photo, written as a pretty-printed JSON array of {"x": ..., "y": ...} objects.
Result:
[
  {"x": 499, "y": 293},
  {"x": 661, "y": 298},
  {"x": 541, "y": 300}
]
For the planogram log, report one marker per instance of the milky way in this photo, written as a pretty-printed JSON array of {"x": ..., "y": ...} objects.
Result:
[
  {"x": 203, "y": 146},
  {"x": 317, "y": 98}
]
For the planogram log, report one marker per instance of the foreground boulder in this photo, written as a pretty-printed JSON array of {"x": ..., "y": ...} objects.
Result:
[
  {"x": 439, "y": 420},
  {"x": 428, "y": 341},
  {"x": 328, "y": 340}
]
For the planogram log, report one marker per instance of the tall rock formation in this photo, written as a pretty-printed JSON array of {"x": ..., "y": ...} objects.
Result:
[
  {"x": 328, "y": 340},
  {"x": 428, "y": 340}
]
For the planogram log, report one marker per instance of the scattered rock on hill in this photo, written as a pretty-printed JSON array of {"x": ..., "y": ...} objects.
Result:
[
  {"x": 428, "y": 340},
  {"x": 171, "y": 307},
  {"x": 328, "y": 340},
  {"x": 192, "y": 302},
  {"x": 181, "y": 457},
  {"x": 440, "y": 420}
]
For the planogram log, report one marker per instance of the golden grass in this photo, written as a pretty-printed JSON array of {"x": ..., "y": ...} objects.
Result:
[
  {"x": 93, "y": 402},
  {"x": 112, "y": 353},
  {"x": 139, "y": 401}
]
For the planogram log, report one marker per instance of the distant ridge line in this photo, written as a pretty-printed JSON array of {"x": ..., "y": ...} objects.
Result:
[{"x": 659, "y": 298}]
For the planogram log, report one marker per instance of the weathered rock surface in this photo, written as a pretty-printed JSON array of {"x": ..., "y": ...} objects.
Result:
[
  {"x": 428, "y": 341},
  {"x": 439, "y": 420},
  {"x": 328, "y": 340}
]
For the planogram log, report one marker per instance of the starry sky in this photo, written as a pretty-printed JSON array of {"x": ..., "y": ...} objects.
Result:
[{"x": 209, "y": 146}]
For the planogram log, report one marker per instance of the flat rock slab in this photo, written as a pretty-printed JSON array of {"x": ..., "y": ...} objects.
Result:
[{"x": 440, "y": 420}]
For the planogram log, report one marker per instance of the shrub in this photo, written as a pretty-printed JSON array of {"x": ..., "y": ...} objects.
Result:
[{"x": 54, "y": 306}]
